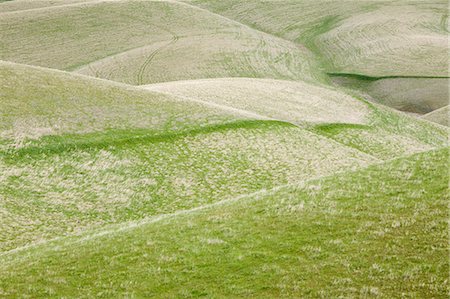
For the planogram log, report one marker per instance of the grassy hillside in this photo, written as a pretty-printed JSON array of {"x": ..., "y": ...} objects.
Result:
[
  {"x": 376, "y": 232},
  {"x": 133, "y": 41},
  {"x": 18, "y": 5},
  {"x": 372, "y": 129},
  {"x": 401, "y": 46},
  {"x": 38, "y": 102},
  {"x": 293, "y": 101},
  {"x": 415, "y": 95},
  {"x": 224, "y": 149},
  {"x": 373, "y": 38},
  {"x": 69, "y": 163}
]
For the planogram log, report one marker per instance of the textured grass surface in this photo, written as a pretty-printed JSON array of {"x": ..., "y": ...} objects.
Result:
[
  {"x": 375, "y": 38},
  {"x": 295, "y": 102},
  {"x": 48, "y": 102},
  {"x": 132, "y": 41},
  {"x": 251, "y": 176},
  {"x": 384, "y": 133},
  {"x": 377, "y": 232},
  {"x": 19, "y": 5},
  {"x": 367, "y": 39},
  {"x": 58, "y": 188},
  {"x": 71, "y": 162}
]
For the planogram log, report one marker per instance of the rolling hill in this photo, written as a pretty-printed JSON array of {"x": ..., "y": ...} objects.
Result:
[
  {"x": 224, "y": 149},
  {"x": 134, "y": 153},
  {"x": 440, "y": 116},
  {"x": 184, "y": 41},
  {"x": 394, "y": 50},
  {"x": 324, "y": 110},
  {"x": 379, "y": 231}
]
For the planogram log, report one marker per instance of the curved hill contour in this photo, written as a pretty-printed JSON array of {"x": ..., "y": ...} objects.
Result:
[
  {"x": 228, "y": 148},
  {"x": 150, "y": 36}
]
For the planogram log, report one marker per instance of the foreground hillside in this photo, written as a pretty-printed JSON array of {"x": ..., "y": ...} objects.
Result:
[{"x": 376, "y": 232}]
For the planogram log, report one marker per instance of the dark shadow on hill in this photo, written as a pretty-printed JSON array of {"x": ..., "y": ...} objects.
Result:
[{"x": 412, "y": 94}]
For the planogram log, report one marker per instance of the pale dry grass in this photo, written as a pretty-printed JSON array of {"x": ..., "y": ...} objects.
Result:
[
  {"x": 295, "y": 102},
  {"x": 397, "y": 39},
  {"x": 440, "y": 116},
  {"x": 185, "y": 41},
  {"x": 48, "y": 102},
  {"x": 237, "y": 53},
  {"x": 375, "y": 38},
  {"x": 352, "y": 228},
  {"x": 20, "y": 5},
  {"x": 412, "y": 95}
]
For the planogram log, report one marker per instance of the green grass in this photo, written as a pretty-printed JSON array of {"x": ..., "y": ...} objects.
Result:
[
  {"x": 76, "y": 182},
  {"x": 375, "y": 232},
  {"x": 382, "y": 133},
  {"x": 237, "y": 169},
  {"x": 59, "y": 178},
  {"x": 37, "y": 102}
]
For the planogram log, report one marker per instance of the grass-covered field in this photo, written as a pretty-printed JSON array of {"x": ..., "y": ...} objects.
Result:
[
  {"x": 402, "y": 43},
  {"x": 132, "y": 41},
  {"x": 376, "y": 232},
  {"x": 223, "y": 149}
]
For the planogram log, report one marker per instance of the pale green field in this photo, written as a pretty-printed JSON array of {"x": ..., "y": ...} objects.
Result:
[
  {"x": 190, "y": 149},
  {"x": 152, "y": 157},
  {"x": 377, "y": 232},
  {"x": 19, "y": 5},
  {"x": 373, "y": 38},
  {"x": 370, "y": 128},
  {"x": 132, "y": 41},
  {"x": 402, "y": 43}
]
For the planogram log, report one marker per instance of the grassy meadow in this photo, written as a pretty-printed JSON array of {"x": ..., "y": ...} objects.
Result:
[{"x": 224, "y": 149}]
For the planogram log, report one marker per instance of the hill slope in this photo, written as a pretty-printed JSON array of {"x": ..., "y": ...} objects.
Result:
[
  {"x": 71, "y": 163},
  {"x": 440, "y": 116},
  {"x": 140, "y": 42},
  {"x": 374, "y": 232},
  {"x": 395, "y": 51},
  {"x": 372, "y": 38},
  {"x": 223, "y": 149},
  {"x": 372, "y": 129}
]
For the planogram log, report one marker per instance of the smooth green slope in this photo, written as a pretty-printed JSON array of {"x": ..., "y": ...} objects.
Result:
[
  {"x": 141, "y": 42},
  {"x": 83, "y": 152},
  {"x": 376, "y": 232}
]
